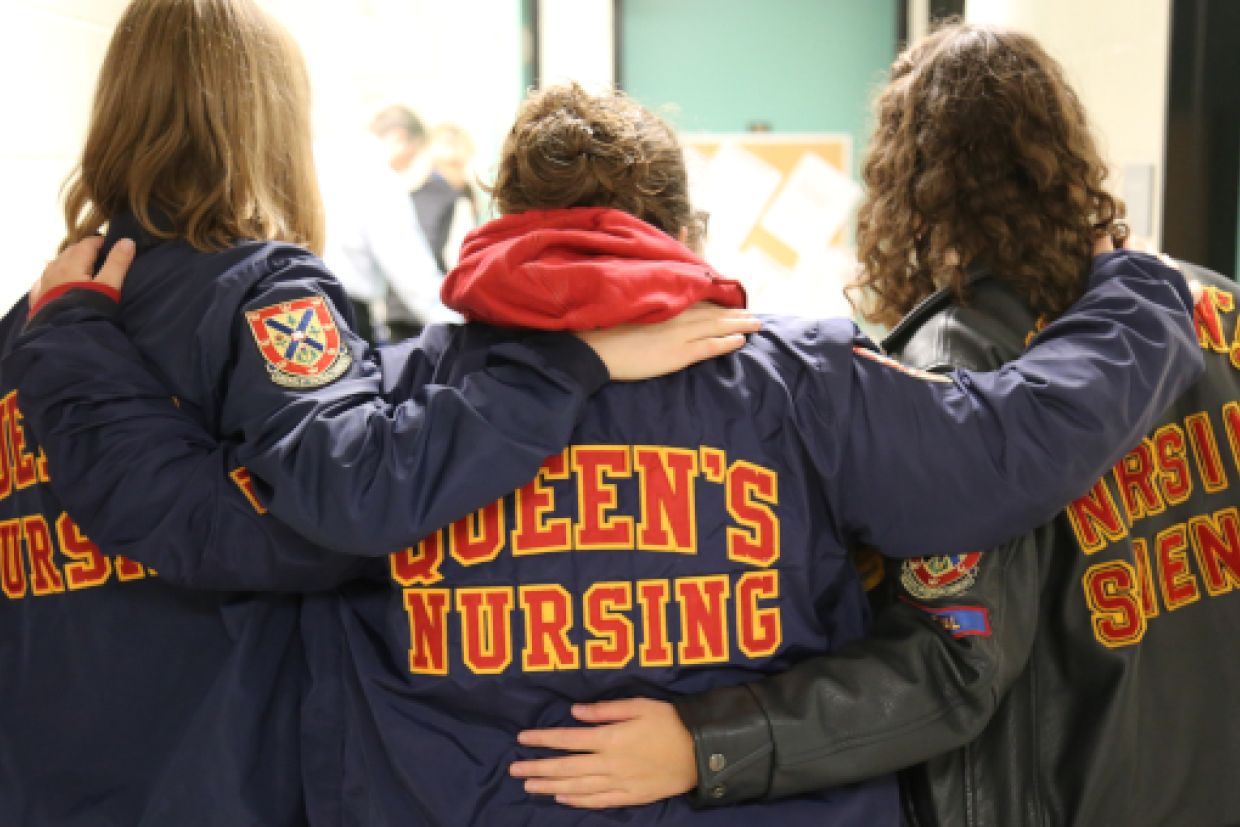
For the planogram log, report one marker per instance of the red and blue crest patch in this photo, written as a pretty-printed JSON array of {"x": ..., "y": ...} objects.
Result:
[
  {"x": 939, "y": 576},
  {"x": 300, "y": 342}
]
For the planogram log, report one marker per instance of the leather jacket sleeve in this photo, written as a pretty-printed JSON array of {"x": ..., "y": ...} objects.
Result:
[
  {"x": 916, "y": 687},
  {"x": 913, "y": 689}
]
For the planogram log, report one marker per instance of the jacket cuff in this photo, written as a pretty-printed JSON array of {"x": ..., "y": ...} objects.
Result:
[
  {"x": 560, "y": 352},
  {"x": 732, "y": 742},
  {"x": 95, "y": 298}
]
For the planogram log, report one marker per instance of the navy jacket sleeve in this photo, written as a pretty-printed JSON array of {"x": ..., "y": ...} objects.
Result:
[
  {"x": 94, "y": 407},
  {"x": 366, "y": 466},
  {"x": 927, "y": 679},
  {"x": 921, "y": 464}
]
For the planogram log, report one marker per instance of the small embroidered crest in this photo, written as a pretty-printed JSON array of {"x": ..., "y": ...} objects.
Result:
[
  {"x": 941, "y": 576},
  {"x": 300, "y": 342}
]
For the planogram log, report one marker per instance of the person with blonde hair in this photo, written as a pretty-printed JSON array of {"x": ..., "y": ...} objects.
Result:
[
  {"x": 126, "y": 700},
  {"x": 694, "y": 532},
  {"x": 1082, "y": 674}
]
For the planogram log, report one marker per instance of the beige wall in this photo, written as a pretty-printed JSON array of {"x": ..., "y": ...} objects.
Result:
[
  {"x": 457, "y": 61},
  {"x": 50, "y": 51},
  {"x": 1116, "y": 55}
]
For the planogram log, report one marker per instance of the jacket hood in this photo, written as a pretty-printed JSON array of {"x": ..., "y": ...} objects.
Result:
[{"x": 579, "y": 269}]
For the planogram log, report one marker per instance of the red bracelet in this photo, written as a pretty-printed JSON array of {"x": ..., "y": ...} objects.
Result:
[{"x": 60, "y": 290}]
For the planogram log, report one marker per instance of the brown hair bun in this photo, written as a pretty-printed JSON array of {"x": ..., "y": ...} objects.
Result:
[{"x": 569, "y": 148}]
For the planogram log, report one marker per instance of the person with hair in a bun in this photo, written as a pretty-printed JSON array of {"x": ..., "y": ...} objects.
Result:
[{"x": 694, "y": 533}]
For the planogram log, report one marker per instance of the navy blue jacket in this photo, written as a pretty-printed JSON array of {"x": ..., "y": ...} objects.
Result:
[
  {"x": 126, "y": 700},
  {"x": 741, "y": 482}
]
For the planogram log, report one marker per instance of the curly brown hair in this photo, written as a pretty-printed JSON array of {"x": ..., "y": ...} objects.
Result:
[
  {"x": 569, "y": 148},
  {"x": 981, "y": 155}
]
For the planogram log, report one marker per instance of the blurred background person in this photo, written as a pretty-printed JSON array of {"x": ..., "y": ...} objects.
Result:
[
  {"x": 447, "y": 203},
  {"x": 374, "y": 244}
]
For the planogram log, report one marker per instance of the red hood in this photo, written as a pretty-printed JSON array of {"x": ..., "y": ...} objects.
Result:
[{"x": 578, "y": 269}]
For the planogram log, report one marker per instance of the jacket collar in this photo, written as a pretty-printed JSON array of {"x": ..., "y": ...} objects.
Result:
[
  {"x": 927, "y": 308},
  {"x": 126, "y": 225}
]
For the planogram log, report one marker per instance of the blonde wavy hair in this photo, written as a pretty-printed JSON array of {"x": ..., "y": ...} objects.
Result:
[
  {"x": 981, "y": 155},
  {"x": 200, "y": 127}
]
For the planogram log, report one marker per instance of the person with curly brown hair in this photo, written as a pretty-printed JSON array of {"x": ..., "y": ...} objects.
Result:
[{"x": 1082, "y": 674}]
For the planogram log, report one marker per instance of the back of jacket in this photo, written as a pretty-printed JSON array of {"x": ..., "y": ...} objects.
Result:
[
  {"x": 126, "y": 700},
  {"x": 683, "y": 540},
  {"x": 1116, "y": 629}
]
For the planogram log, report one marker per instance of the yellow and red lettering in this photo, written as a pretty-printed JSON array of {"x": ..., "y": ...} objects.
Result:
[
  {"x": 1178, "y": 586},
  {"x": 1216, "y": 542},
  {"x": 548, "y": 612},
  {"x": 12, "y": 568},
  {"x": 1135, "y": 476},
  {"x": 758, "y": 629},
  {"x": 127, "y": 569},
  {"x": 24, "y": 473},
  {"x": 1207, "y": 320},
  {"x": 6, "y": 448},
  {"x": 703, "y": 618},
  {"x": 41, "y": 466},
  {"x": 668, "y": 499},
  {"x": 652, "y": 597},
  {"x": 1231, "y": 423},
  {"x": 427, "y": 610},
  {"x": 596, "y": 529},
  {"x": 44, "y": 576},
  {"x": 1095, "y": 519},
  {"x": 1173, "y": 477},
  {"x": 603, "y": 606},
  {"x": 751, "y": 491},
  {"x": 241, "y": 476},
  {"x": 1145, "y": 577},
  {"x": 88, "y": 567},
  {"x": 714, "y": 464},
  {"x": 478, "y": 537},
  {"x": 1205, "y": 449},
  {"x": 1110, "y": 592},
  {"x": 419, "y": 566},
  {"x": 535, "y": 533},
  {"x": 486, "y": 628}
]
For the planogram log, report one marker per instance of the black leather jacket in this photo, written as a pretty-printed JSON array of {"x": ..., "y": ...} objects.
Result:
[{"x": 1085, "y": 674}]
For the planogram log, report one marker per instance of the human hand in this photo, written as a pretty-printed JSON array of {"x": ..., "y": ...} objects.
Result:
[
  {"x": 639, "y": 753},
  {"x": 704, "y": 331},
  {"x": 76, "y": 263}
]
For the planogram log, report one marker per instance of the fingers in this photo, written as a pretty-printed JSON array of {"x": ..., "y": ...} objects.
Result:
[
  {"x": 573, "y": 785},
  {"x": 599, "y": 801},
  {"x": 705, "y": 321},
  {"x": 79, "y": 259},
  {"x": 117, "y": 264},
  {"x": 609, "y": 711},
  {"x": 564, "y": 766},
  {"x": 572, "y": 739}
]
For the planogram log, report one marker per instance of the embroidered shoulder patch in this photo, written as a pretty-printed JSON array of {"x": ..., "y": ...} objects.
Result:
[
  {"x": 875, "y": 356},
  {"x": 942, "y": 576},
  {"x": 300, "y": 342}
]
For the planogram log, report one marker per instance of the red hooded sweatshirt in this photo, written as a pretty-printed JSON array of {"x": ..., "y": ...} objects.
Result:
[{"x": 579, "y": 269}]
